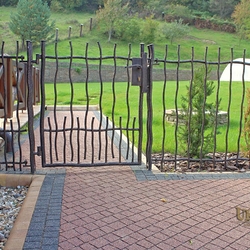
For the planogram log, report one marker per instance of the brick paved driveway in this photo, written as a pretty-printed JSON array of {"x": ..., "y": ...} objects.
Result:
[{"x": 107, "y": 208}]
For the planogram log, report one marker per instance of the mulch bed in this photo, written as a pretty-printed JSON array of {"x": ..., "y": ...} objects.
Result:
[{"x": 182, "y": 166}]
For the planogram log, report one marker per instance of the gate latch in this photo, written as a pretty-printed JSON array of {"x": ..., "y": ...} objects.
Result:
[
  {"x": 136, "y": 71},
  {"x": 140, "y": 72}
]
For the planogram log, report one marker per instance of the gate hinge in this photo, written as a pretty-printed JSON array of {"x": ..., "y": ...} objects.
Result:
[{"x": 39, "y": 151}]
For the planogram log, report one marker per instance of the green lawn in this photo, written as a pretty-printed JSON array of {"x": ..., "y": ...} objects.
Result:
[{"x": 120, "y": 107}]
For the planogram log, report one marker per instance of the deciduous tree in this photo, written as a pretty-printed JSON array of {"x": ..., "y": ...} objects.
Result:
[
  {"x": 241, "y": 16},
  {"x": 222, "y": 8},
  {"x": 108, "y": 16}
]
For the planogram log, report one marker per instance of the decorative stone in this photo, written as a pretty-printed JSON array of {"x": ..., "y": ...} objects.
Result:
[
  {"x": 170, "y": 115},
  {"x": 11, "y": 200}
]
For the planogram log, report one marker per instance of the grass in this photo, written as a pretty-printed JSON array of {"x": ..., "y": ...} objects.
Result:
[
  {"x": 120, "y": 107},
  {"x": 199, "y": 39}
]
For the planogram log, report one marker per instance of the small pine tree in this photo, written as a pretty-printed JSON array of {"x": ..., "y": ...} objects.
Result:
[
  {"x": 31, "y": 22},
  {"x": 194, "y": 101}
]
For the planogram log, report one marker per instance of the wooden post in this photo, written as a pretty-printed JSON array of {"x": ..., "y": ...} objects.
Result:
[
  {"x": 69, "y": 32},
  {"x": 57, "y": 30},
  {"x": 81, "y": 30},
  {"x": 91, "y": 23}
]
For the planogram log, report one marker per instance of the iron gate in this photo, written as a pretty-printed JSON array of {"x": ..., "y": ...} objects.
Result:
[{"x": 81, "y": 135}]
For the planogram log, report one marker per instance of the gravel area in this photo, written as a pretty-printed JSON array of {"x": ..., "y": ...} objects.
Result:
[{"x": 11, "y": 200}]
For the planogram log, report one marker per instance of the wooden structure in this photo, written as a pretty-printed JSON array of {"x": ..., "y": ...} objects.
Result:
[{"x": 13, "y": 87}]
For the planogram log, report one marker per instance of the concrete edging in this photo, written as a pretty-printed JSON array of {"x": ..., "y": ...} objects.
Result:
[{"x": 19, "y": 231}]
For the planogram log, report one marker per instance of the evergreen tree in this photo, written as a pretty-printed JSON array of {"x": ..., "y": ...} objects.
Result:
[{"x": 31, "y": 22}]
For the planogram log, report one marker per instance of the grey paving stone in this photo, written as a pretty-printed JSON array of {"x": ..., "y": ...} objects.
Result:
[
  {"x": 50, "y": 240},
  {"x": 32, "y": 245},
  {"x": 48, "y": 209}
]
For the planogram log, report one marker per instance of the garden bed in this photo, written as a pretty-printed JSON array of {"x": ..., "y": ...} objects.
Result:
[{"x": 182, "y": 166}]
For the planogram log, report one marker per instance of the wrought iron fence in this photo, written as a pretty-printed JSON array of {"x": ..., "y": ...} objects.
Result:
[
  {"x": 169, "y": 117},
  {"x": 180, "y": 128}
]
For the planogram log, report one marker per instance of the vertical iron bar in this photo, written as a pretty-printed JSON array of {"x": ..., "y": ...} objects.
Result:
[
  {"x": 217, "y": 107},
  {"x": 50, "y": 141},
  {"x": 229, "y": 106},
  {"x": 106, "y": 140},
  {"x": 42, "y": 108},
  {"x": 30, "y": 107},
  {"x": 100, "y": 101},
  {"x": 127, "y": 100},
  {"x": 87, "y": 102},
  {"x": 12, "y": 145},
  {"x": 4, "y": 102},
  {"x": 150, "y": 107},
  {"x": 55, "y": 102},
  {"x": 241, "y": 106},
  {"x": 71, "y": 102},
  {"x": 64, "y": 139},
  {"x": 140, "y": 115},
  {"x": 120, "y": 139},
  {"x": 204, "y": 109},
  {"x": 133, "y": 141},
  {"x": 190, "y": 108},
  {"x": 92, "y": 141},
  {"x": 78, "y": 140},
  {"x": 164, "y": 108},
  {"x": 17, "y": 108},
  {"x": 114, "y": 103},
  {"x": 176, "y": 108},
  {"x": 7, "y": 109}
]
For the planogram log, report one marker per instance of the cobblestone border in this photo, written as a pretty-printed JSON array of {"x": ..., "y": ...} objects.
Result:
[
  {"x": 44, "y": 227},
  {"x": 142, "y": 174}
]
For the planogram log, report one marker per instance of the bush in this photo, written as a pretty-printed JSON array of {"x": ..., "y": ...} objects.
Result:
[
  {"x": 175, "y": 30},
  {"x": 128, "y": 29},
  {"x": 149, "y": 30}
]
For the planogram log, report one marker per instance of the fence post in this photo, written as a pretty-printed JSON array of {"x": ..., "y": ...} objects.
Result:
[
  {"x": 57, "y": 30},
  {"x": 30, "y": 107},
  {"x": 149, "y": 107},
  {"x": 81, "y": 30},
  {"x": 90, "y": 23},
  {"x": 69, "y": 32},
  {"x": 42, "y": 111}
]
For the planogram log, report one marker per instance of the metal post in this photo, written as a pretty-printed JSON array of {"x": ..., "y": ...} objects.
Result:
[
  {"x": 30, "y": 107},
  {"x": 42, "y": 111},
  {"x": 140, "y": 113},
  {"x": 150, "y": 108}
]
